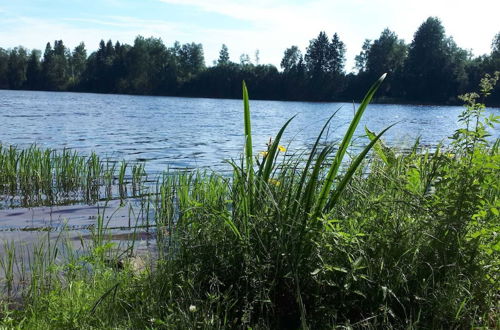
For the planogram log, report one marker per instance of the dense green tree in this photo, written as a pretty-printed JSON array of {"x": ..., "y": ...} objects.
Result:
[
  {"x": 291, "y": 59},
  {"x": 294, "y": 74},
  {"x": 144, "y": 61},
  {"x": 317, "y": 61},
  {"x": 492, "y": 65},
  {"x": 434, "y": 64},
  {"x": 325, "y": 67},
  {"x": 223, "y": 56},
  {"x": 318, "y": 55},
  {"x": 61, "y": 65},
  {"x": 47, "y": 71},
  {"x": 362, "y": 58},
  {"x": 109, "y": 51},
  {"x": 34, "y": 70},
  {"x": 98, "y": 74},
  {"x": 336, "y": 56},
  {"x": 336, "y": 65},
  {"x": 4, "y": 67},
  {"x": 119, "y": 70},
  {"x": 387, "y": 54},
  {"x": 154, "y": 69},
  {"x": 18, "y": 63},
  {"x": 191, "y": 59},
  {"x": 78, "y": 63},
  {"x": 55, "y": 67},
  {"x": 432, "y": 69}
]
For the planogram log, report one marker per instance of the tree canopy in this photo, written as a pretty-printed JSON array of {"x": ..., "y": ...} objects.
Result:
[{"x": 432, "y": 68}]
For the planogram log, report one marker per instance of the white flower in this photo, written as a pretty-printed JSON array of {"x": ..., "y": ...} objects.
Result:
[{"x": 192, "y": 308}]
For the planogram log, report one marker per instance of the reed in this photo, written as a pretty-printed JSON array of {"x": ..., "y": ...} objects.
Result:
[{"x": 37, "y": 176}]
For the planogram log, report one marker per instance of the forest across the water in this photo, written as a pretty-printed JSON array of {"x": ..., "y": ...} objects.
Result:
[{"x": 431, "y": 69}]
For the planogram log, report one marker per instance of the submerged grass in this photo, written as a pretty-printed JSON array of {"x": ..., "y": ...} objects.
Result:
[
  {"x": 397, "y": 240},
  {"x": 36, "y": 176}
]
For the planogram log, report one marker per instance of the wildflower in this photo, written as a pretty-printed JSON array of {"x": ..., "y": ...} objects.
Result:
[
  {"x": 274, "y": 182},
  {"x": 192, "y": 308},
  {"x": 263, "y": 153},
  {"x": 281, "y": 148}
]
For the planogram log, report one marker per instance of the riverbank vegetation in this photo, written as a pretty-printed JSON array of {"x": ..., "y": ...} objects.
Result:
[
  {"x": 316, "y": 240},
  {"x": 432, "y": 68},
  {"x": 35, "y": 176}
]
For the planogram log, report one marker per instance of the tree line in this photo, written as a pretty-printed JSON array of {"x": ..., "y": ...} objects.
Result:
[{"x": 431, "y": 69}]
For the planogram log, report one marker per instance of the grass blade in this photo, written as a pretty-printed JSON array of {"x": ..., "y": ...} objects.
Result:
[
  {"x": 332, "y": 173},
  {"x": 268, "y": 162},
  {"x": 248, "y": 129},
  {"x": 352, "y": 169}
]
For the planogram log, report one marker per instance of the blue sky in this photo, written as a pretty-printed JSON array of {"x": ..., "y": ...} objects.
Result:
[{"x": 243, "y": 25}]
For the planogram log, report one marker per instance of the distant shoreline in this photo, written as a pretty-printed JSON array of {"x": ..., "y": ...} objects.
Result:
[{"x": 379, "y": 100}]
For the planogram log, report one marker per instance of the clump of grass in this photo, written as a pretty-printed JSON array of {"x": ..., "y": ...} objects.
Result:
[{"x": 36, "y": 176}]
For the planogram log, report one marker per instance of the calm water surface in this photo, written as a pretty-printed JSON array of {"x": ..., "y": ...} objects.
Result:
[{"x": 172, "y": 132}]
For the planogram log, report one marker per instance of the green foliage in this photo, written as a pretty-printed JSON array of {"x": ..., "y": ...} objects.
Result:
[
  {"x": 362, "y": 58},
  {"x": 55, "y": 67},
  {"x": 223, "y": 56},
  {"x": 78, "y": 62},
  {"x": 435, "y": 64},
  {"x": 18, "y": 62},
  {"x": 35, "y": 176},
  {"x": 432, "y": 69},
  {"x": 34, "y": 70},
  {"x": 386, "y": 54},
  {"x": 4, "y": 67},
  {"x": 292, "y": 58}
]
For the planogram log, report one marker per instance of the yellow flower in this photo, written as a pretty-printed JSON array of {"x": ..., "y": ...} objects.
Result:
[
  {"x": 263, "y": 153},
  {"x": 274, "y": 182},
  {"x": 281, "y": 148}
]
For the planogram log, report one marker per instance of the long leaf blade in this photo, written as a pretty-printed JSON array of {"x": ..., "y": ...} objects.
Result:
[
  {"x": 325, "y": 190},
  {"x": 352, "y": 169},
  {"x": 248, "y": 128},
  {"x": 270, "y": 158}
]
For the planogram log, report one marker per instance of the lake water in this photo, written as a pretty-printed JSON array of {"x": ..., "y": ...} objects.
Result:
[
  {"x": 179, "y": 133},
  {"x": 173, "y": 133}
]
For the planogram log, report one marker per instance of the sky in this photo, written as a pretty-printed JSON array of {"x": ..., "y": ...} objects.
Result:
[{"x": 245, "y": 26}]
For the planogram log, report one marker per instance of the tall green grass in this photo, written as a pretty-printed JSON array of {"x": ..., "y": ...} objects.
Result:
[{"x": 37, "y": 176}]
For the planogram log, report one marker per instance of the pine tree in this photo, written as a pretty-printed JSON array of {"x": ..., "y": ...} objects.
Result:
[{"x": 223, "y": 56}]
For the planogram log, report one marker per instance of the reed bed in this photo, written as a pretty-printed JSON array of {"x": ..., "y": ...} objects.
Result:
[
  {"x": 36, "y": 176},
  {"x": 390, "y": 240}
]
